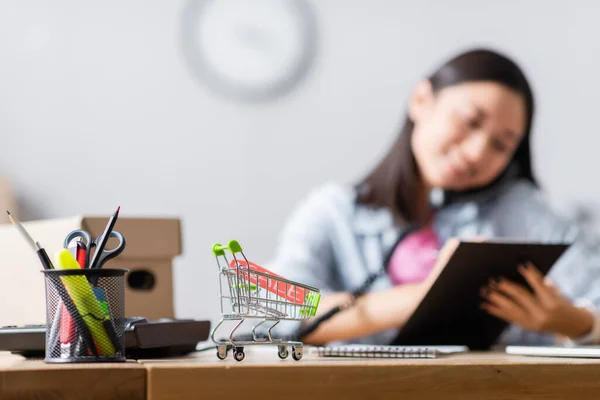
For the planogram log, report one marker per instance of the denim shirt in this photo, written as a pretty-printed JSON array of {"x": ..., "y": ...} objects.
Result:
[{"x": 333, "y": 243}]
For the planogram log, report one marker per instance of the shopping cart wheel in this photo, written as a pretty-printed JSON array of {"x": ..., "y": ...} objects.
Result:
[
  {"x": 238, "y": 353},
  {"x": 283, "y": 352},
  {"x": 296, "y": 353},
  {"x": 222, "y": 352}
]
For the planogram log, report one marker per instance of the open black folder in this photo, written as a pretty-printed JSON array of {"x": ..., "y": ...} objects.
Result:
[{"x": 450, "y": 312}]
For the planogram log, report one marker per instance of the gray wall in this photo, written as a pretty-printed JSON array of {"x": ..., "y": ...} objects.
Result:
[{"x": 96, "y": 94}]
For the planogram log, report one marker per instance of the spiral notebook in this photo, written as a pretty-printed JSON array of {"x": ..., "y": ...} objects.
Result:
[{"x": 369, "y": 351}]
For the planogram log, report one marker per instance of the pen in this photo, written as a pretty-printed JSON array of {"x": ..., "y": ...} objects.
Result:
[{"x": 105, "y": 236}]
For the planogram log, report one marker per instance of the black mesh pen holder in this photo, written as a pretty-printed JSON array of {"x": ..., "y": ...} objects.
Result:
[{"x": 85, "y": 315}]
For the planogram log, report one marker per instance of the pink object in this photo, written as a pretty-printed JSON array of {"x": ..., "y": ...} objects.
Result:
[
  {"x": 286, "y": 290},
  {"x": 414, "y": 258}
]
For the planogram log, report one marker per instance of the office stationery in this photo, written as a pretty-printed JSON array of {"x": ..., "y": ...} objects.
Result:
[
  {"x": 101, "y": 296},
  {"x": 551, "y": 351},
  {"x": 155, "y": 245},
  {"x": 62, "y": 293},
  {"x": 93, "y": 303},
  {"x": 64, "y": 302},
  {"x": 373, "y": 351},
  {"x": 450, "y": 313},
  {"x": 86, "y": 302},
  {"x": 144, "y": 338},
  {"x": 22, "y": 230},
  {"x": 67, "y": 327},
  {"x": 242, "y": 299},
  {"x": 103, "y": 239},
  {"x": 66, "y": 299},
  {"x": 73, "y": 248},
  {"x": 78, "y": 250},
  {"x": 81, "y": 254},
  {"x": 101, "y": 256},
  {"x": 88, "y": 305},
  {"x": 42, "y": 255}
]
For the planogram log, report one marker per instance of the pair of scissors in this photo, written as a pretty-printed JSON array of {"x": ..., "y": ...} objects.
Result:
[{"x": 90, "y": 243}]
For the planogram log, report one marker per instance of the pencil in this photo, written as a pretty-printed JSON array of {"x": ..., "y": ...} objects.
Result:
[
  {"x": 105, "y": 236},
  {"x": 22, "y": 229}
]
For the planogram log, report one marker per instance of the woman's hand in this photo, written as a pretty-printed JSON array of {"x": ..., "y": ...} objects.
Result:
[{"x": 544, "y": 310}]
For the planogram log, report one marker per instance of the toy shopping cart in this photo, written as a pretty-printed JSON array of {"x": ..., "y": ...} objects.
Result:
[{"x": 249, "y": 291}]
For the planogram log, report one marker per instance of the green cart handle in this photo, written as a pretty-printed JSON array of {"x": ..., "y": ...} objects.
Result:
[{"x": 233, "y": 246}]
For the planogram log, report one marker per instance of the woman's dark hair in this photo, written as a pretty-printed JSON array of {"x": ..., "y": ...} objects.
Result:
[{"x": 394, "y": 182}]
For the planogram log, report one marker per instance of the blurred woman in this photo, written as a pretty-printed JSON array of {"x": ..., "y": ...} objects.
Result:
[{"x": 460, "y": 168}]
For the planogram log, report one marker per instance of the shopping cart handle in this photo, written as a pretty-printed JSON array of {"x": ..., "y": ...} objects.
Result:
[
  {"x": 233, "y": 246},
  {"x": 218, "y": 250}
]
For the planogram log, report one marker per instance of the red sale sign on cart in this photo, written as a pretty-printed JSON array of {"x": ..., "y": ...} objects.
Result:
[{"x": 287, "y": 291}]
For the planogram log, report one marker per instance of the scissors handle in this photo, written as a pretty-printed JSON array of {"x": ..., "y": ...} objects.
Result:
[
  {"x": 112, "y": 253},
  {"x": 78, "y": 233},
  {"x": 89, "y": 242}
]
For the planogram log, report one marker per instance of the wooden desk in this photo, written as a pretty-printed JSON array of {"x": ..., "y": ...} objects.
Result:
[
  {"x": 34, "y": 379},
  {"x": 468, "y": 376},
  {"x": 262, "y": 375}
]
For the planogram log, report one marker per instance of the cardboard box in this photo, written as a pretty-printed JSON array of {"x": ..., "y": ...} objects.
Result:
[
  {"x": 7, "y": 199},
  {"x": 152, "y": 243}
]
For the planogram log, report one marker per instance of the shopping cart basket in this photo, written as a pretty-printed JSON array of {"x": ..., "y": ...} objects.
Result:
[{"x": 249, "y": 291}]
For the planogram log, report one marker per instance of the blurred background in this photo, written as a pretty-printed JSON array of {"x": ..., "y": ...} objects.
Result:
[{"x": 226, "y": 113}]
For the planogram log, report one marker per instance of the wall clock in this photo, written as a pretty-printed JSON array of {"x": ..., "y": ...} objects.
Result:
[{"x": 251, "y": 50}]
